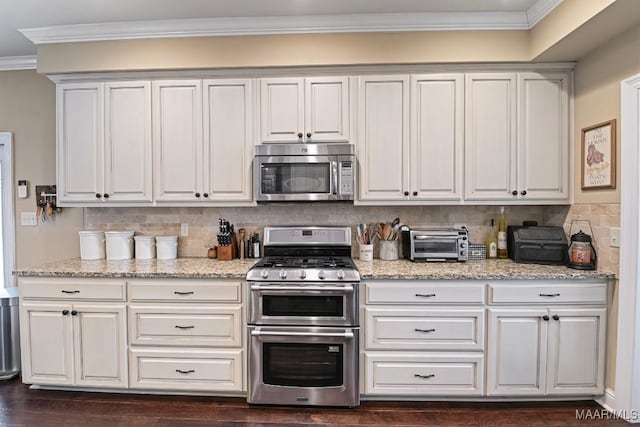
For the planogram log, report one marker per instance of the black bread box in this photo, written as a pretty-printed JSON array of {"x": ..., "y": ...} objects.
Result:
[{"x": 533, "y": 244}]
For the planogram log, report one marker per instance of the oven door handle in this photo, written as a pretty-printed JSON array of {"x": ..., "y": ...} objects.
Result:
[
  {"x": 444, "y": 238},
  {"x": 346, "y": 334},
  {"x": 345, "y": 289}
]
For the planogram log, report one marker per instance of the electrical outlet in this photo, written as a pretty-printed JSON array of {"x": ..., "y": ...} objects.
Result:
[
  {"x": 184, "y": 229},
  {"x": 28, "y": 219},
  {"x": 614, "y": 237}
]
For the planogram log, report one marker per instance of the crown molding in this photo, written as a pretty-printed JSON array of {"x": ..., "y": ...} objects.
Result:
[
  {"x": 206, "y": 27},
  {"x": 9, "y": 63},
  {"x": 539, "y": 10}
]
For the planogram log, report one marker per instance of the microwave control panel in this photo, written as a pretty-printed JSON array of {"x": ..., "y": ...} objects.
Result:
[{"x": 346, "y": 177}]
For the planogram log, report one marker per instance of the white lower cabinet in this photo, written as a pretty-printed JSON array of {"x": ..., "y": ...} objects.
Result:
[
  {"x": 418, "y": 342},
  {"x": 72, "y": 343},
  {"x": 549, "y": 349},
  {"x": 187, "y": 335}
]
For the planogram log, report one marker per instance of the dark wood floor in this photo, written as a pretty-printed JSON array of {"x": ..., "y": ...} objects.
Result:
[{"x": 20, "y": 406}]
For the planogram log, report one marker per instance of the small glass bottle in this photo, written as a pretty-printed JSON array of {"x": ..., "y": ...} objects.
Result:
[
  {"x": 502, "y": 236},
  {"x": 491, "y": 242}
]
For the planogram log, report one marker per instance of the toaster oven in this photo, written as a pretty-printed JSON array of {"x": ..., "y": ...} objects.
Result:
[{"x": 435, "y": 244}]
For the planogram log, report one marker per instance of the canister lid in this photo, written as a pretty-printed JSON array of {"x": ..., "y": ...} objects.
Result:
[
  {"x": 167, "y": 238},
  {"x": 8, "y": 297},
  {"x": 581, "y": 237},
  {"x": 143, "y": 237}
]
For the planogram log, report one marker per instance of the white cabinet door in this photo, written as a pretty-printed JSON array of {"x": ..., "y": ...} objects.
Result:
[
  {"x": 80, "y": 139},
  {"x": 177, "y": 140},
  {"x": 543, "y": 136},
  {"x": 128, "y": 141},
  {"x": 437, "y": 136},
  {"x": 281, "y": 109},
  {"x": 326, "y": 113},
  {"x": 228, "y": 139},
  {"x": 46, "y": 343},
  {"x": 383, "y": 137},
  {"x": 577, "y": 343},
  {"x": 100, "y": 345},
  {"x": 490, "y": 134},
  {"x": 517, "y": 352}
]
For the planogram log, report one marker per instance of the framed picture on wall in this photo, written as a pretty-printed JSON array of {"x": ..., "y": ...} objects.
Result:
[{"x": 599, "y": 156}]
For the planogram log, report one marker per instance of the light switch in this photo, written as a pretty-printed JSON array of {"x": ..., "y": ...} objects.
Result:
[
  {"x": 614, "y": 237},
  {"x": 184, "y": 229},
  {"x": 28, "y": 219}
]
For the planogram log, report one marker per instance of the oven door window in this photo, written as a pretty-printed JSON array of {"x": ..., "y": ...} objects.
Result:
[
  {"x": 296, "y": 178},
  {"x": 302, "y": 365},
  {"x": 436, "y": 246},
  {"x": 303, "y": 306}
]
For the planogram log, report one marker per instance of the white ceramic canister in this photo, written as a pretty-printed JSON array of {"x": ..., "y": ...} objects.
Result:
[
  {"x": 92, "y": 244},
  {"x": 119, "y": 245},
  {"x": 145, "y": 247},
  {"x": 167, "y": 247}
]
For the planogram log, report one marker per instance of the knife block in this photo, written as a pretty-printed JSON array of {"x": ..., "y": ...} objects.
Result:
[{"x": 225, "y": 253}]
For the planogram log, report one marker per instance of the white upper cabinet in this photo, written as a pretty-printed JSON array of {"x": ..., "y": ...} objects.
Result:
[
  {"x": 304, "y": 109},
  {"x": 128, "y": 141},
  {"x": 228, "y": 138},
  {"x": 80, "y": 142},
  {"x": 543, "y": 136},
  {"x": 411, "y": 137},
  {"x": 177, "y": 135},
  {"x": 517, "y": 137},
  {"x": 490, "y": 129},
  {"x": 437, "y": 137},
  {"x": 383, "y": 137},
  {"x": 104, "y": 142}
]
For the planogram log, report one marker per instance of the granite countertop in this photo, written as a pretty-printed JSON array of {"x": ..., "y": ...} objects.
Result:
[
  {"x": 486, "y": 269},
  {"x": 204, "y": 268}
]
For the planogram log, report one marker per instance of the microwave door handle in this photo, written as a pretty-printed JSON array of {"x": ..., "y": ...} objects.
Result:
[{"x": 334, "y": 178}]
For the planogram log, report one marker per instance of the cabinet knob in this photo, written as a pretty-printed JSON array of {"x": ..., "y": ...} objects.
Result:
[
  {"x": 65, "y": 312},
  {"x": 556, "y": 317},
  {"x": 98, "y": 195},
  {"x": 545, "y": 318},
  {"x": 206, "y": 194},
  {"x": 308, "y": 134},
  {"x": 105, "y": 195},
  {"x": 514, "y": 192},
  {"x": 74, "y": 313},
  {"x": 523, "y": 192},
  {"x": 197, "y": 194},
  {"x": 406, "y": 193},
  {"x": 299, "y": 135},
  {"x": 415, "y": 193}
]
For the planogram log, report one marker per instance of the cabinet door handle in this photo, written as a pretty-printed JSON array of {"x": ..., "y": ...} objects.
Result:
[
  {"x": 426, "y": 295},
  {"x": 180, "y": 371},
  {"x": 424, "y": 330},
  {"x": 206, "y": 195},
  {"x": 105, "y": 195},
  {"x": 308, "y": 134},
  {"x": 545, "y": 318},
  {"x": 197, "y": 194},
  {"x": 415, "y": 193},
  {"x": 300, "y": 136},
  {"x": 514, "y": 193},
  {"x": 426, "y": 377},
  {"x": 185, "y": 327},
  {"x": 74, "y": 313},
  {"x": 70, "y": 292},
  {"x": 65, "y": 312},
  {"x": 406, "y": 193},
  {"x": 523, "y": 192},
  {"x": 183, "y": 293},
  {"x": 555, "y": 317},
  {"x": 98, "y": 195},
  {"x": 550, "y": 295}
]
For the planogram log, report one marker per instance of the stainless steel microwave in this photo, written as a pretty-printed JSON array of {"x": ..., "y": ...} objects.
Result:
[{"x": 304, "y": 172}]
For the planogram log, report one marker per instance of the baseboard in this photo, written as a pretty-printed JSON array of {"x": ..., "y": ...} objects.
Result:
[{"x": 608, "y": 400}]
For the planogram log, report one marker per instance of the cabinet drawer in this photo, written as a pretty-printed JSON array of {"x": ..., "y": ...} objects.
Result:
[
  {"x": 441, "y": 374},
  {"x": 185, "y": 325},
  {"x": 186, "y": 369},
  {"x": 185, "y": 290},
  {"x": 73, "y": 289},
  {"x": 424, "y": 329},
  {"x": 424, "y": 292},
  {"x": 547, "y": 293}
]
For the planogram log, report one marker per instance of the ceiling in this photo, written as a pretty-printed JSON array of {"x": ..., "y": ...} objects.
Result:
[{"x": 28, "y": 14}]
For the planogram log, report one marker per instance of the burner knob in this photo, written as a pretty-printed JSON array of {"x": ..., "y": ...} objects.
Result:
[
  {"x": 264, "y": 273},
  {"x": 340, "y": 274},
  {"x": 321, "y": 275},
  {"x": 303, "y": 274},
  {"x": 283, "y": 274}
]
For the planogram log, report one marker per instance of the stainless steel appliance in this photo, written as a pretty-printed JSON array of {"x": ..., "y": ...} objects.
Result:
[
  {"x": 304, "y": 172},
  {"x": 435, "y": 244},
  {"x": 303, "y": 327},
  {"x": 533, "y": 244},
  {"x": 9, "y": 333}
]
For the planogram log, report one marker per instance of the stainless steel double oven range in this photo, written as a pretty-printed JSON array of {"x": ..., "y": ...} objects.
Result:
[{"x": 303, "y": 329}]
